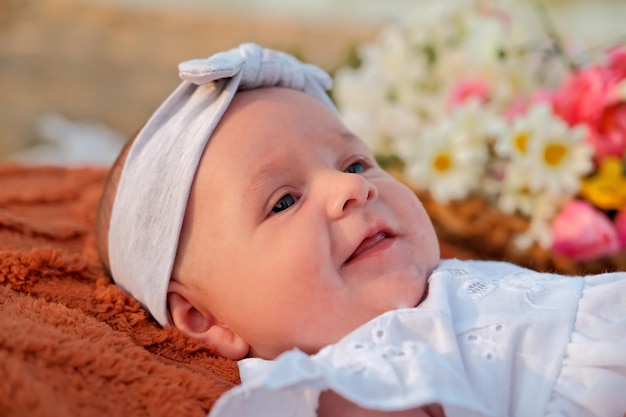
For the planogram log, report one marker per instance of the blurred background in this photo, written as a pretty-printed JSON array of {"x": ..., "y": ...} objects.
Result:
[{"x": 78, "y": 77}]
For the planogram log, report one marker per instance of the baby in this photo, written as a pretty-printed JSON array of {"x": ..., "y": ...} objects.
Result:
[{"x": 245, "y": 214}]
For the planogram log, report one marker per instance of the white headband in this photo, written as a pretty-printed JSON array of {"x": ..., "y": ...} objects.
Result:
[{"x": 161, "y": 165}]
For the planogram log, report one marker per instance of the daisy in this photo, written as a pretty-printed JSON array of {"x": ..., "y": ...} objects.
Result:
[
  {"x": 449, "y": 159},
  {"x": 551, "y": 156},
  {"x": 360, "y": 105},
  {"x": 514, "y": 197},
  {"x": 376, "y": 121},
  {"x": 543, "y": 208},
  {"x": 478, "y": 123}
]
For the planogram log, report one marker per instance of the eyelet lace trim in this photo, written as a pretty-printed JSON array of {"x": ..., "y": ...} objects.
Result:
[{"x": 477, "y": 287}]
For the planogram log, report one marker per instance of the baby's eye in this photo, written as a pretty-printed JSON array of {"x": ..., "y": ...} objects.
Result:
[
  {"x": 284, "y": 203},
  {"x": 355, "y": 168}
]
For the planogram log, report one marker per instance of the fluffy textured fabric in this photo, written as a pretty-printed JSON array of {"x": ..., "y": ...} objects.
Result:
[{"x": 71, "y": 342}]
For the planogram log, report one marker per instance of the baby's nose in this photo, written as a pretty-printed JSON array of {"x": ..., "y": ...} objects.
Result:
[{"x": 348, "y": 191}]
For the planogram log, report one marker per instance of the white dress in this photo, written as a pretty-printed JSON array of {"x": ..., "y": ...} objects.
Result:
[{"x": 491, "y": 339}]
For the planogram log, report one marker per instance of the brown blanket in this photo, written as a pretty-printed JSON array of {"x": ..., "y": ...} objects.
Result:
[{"x": 71, "y": 342}]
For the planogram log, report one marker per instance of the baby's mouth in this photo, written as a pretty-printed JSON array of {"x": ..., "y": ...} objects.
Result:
[{"x": 368, "y": 243}]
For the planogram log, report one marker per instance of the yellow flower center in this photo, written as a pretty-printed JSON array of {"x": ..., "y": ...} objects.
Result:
[
  {"x": 521, "y": 141},
  {"x": 607, "y": 188},
  {"x": 442, "y": 162},
  {"x": 554, "y": 153}
]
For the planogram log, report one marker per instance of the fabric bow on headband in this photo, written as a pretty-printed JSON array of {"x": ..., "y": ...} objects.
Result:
[{"x": 154, "y": 186}]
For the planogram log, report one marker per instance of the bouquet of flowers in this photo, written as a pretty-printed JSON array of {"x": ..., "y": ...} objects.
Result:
[{"x": 482, "y": 101}]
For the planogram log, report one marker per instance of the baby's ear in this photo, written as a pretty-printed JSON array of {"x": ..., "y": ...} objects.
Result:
[{"x": 199, "y": 323}]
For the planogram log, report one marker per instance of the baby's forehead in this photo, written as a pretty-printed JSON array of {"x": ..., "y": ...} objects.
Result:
[
  {"x": 243, "y": 98},
  {"x": 272, "y": 115},
  {"x": 269, "y": 126}
]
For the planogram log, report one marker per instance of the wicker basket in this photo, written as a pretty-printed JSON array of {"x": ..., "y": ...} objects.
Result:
[{"x": 471, "y": 229}]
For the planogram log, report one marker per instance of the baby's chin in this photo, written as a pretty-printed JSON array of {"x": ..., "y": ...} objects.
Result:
[
  {"x": 410, "y": 302},
  {"x": 410, "y": 293},
  {"x": 409, "y": 298}
]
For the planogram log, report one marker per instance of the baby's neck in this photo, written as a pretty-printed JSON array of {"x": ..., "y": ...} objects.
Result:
[{"x": 332, "y": 404}]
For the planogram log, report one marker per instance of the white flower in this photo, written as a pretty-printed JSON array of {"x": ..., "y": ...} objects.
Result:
[
  {"x": 543, "y": 209},
  {"x": 538, "y": 232},
  {"x": 359, "y": 94},
  {"x": 545, "y": 154},
  {"x": 447, "y": 171},
  {"x": 395, "y": 58},
  {"x": 368, "y": 114},
  {"x": 514, "y": 197},
  {"x": 478, "y": 123},
  {"x": 399, "y": 101},
  {"x": 449, "y": 159},
  {"x": 441, "y": 22},
  {"x": 497, "y": 58}
]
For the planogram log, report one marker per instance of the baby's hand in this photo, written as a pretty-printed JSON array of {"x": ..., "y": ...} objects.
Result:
[{"x": 332, "y": 404}]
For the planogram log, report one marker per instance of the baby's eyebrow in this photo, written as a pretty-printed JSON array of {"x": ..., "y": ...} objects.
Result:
[
  {"x": 348, "y": 136},
  {"x": 266, "y": 170},
  {"x": 276, "y": 163}
]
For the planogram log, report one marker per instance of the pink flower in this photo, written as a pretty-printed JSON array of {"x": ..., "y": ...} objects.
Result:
[
  {"x": 617, "y": 61},
  {"x": 589, "y": 97},
  {"x": 620, "y": 226},
  {"x": 609, "y": 135},
  {"x": 581, "y": 232},
  {"x": 520, "y": 105},
  {"x": 467, "y": 89}
]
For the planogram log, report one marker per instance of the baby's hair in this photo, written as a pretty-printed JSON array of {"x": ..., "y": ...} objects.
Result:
[{"x": 105, "y": 206}]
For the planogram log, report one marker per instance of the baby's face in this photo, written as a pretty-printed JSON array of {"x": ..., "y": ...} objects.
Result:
[{"x": 294, "y": 236}]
